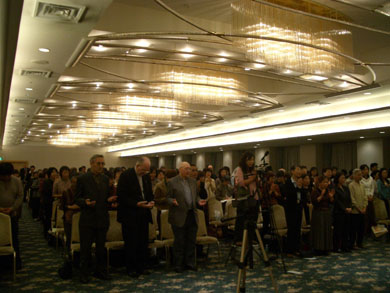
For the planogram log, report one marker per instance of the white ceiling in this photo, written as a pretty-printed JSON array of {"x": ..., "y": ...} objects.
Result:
[{"x": 70, "y": 94}]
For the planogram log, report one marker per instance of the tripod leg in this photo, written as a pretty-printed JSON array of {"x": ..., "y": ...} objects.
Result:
[
  {"x": 265, "y": 256},
  {"x": 242, "y": 268},
  {"x": 266, "y": 261}
]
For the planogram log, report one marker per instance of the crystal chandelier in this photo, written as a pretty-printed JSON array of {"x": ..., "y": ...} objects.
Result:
[
  {"x": 201, "y": 87},
  {"x": 149, "y": 108},
  {"x": 301, "y": 36}
]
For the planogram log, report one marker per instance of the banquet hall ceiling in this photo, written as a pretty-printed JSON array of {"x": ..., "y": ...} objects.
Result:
[{"x": 134, "y": 69}]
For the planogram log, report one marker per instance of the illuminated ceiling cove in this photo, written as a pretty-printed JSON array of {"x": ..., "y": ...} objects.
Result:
[{"x": 169, "y": 71}]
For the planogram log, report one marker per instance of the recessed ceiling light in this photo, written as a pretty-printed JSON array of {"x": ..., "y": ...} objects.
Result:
[
  {"x": 309, "y": 139},
  {"x": 154, "y": 122},
  {"x": 344, "y": 84},
  {"x": 58, "y": 131},
  {"x": 287, "y": 71},
  {"x": 186, "y": 56},
  {"x": 29, "y": 132},
  {"x": 100, "y": 48},
  {"x": 256, "y": 105},
  {"x": 313, "y": 77},
  {"x": 67, "y": 126},
  {"x": 127, "y": 52},
  {"x": 50, "y": 125},
  {"x": 259, "y": 65},
  {"x": 187, "y": 49},
  {"x": 130, "y": 85},
  {"x": 74, "y": 105},
  {"x": 367, "y": 94},
  {"x": 44, "y": 50},
  {"x": 222, "y": 60},
  {"x": 22, "y": 140},
  {"x": 281, "y": 110},
  {"x": 169, "y": 125},
  {"x": 100, "y": 106},
  {"x": 143, "y": 43},
  {"x": 21, "y": 109},
  {"x": 255, "y": 147},
  {"x": 382, "y": 132},
  {"x": 29, "y": 89},
  {"x": 362, "y": 137},
  {"x": 247, "y": 69},
  {"x": 17, "y": 121}
]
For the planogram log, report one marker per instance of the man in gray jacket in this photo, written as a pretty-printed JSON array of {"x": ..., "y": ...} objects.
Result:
[{"x": 182, "y": 199}]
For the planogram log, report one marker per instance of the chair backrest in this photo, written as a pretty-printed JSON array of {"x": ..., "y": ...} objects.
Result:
[
  {"x": 59, "y": 218},
  {"x": 215, "y": 209},
  {"x": 54, "y": 210},
  {"x": 114, "y": 232},
  {"x": 166, "y": 229},
  {"x": 279, "y": 216},
  {"x": 231, "y": 212},
  {"x": 5, "y": 230},
  {"x": 380, "y": 209},
  {"x": 154, "y": 218},
  {"x": 202, "y": 229},
  {"x": 75, "y": 227}
]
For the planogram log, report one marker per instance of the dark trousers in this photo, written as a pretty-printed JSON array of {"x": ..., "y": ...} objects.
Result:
[
  {"x": 136, "y": 239},
  {"x": 294, "y": 223},
  {"x": 357, "y": 229},
  {"x": 68, "y": 234},
  {"x": 88, "y": 235},
  {"x": 35, "y": 203},
  {"x": 387, "y": 207},
  {"x": 47, "y": 211},
  {"x": 307, "y": 213},
  {"x": 15, "y": 237},
  {"x": 342, "y": 231},
  {"x": 185, "y": 241}
]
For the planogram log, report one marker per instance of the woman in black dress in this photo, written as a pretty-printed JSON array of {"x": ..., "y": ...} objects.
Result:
[
  {"x": 321, "y": 222},
  {"x": 341, "y": 215}
]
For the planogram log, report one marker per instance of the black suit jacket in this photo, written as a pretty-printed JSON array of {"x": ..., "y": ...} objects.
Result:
[
  {"x": 289, "y": 191},
  {"x": 129, "y": 194},
  {"x": 88, "y": 188}
]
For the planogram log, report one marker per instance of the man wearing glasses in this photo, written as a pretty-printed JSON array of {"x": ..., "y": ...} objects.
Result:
[
  {"x": 93, "y": 198},
  {"x": 135, "y": 198}
]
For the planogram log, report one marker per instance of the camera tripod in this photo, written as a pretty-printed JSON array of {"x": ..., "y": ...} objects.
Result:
[{"x": 247, "y": 249}]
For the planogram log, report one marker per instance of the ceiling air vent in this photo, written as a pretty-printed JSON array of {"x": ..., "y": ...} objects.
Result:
[
  {"x": 19, "y": 116},
  {"x": 35, "y": 73},
  {"x": 25, "y": 100},
  {"x": 58, "y": 12}
]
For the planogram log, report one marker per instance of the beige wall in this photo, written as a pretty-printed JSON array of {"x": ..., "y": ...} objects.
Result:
[
  {"x": 47, "y": 156},
  {"x": 308, "y": 155},
  {"x": 370, "y": 151}
]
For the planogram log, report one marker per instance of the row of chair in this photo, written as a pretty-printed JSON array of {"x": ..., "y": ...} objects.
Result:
[{"x": 158, "y": 238}]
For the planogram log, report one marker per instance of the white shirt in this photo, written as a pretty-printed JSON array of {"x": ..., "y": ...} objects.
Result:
[{"x": 369, "y": 185}]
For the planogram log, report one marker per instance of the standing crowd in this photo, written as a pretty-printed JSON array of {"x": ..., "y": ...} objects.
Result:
[{"x": 336, "y": 204}]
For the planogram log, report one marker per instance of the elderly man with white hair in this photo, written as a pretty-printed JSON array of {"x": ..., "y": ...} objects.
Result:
[
  {"x": 182, "y": 199},
  {"x": 359, "y": 205}
]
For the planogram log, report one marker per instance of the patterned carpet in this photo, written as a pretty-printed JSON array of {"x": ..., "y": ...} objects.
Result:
[{"x": 365, "y": 270}]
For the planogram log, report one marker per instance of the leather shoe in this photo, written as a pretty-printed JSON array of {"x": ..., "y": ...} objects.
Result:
[
  {"x": 134, "y": 275},
  {"x": 191, "y": 268},
  {"x": 85, "y": 279},
  {"x": 179, "y": 270},
  {"x": 102, "y": 276}
]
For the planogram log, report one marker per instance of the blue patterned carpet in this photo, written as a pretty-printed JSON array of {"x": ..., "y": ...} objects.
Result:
[{"x": 365, "y": 270}]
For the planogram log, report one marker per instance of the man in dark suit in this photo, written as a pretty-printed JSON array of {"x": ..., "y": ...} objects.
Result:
[
  {"x": 291, "y": 192},
  {"x": 182, "y": 199},
  {"x": 93, "y": 198},
  {"x": 135, "y": 197}
]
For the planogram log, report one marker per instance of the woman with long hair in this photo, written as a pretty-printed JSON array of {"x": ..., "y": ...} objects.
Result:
[{"x": 245, "y": 180}]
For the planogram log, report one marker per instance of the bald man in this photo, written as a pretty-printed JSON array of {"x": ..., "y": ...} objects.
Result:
[
  {"x": 182, "y": 199},
  {"x": 135, "y": 197}
]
